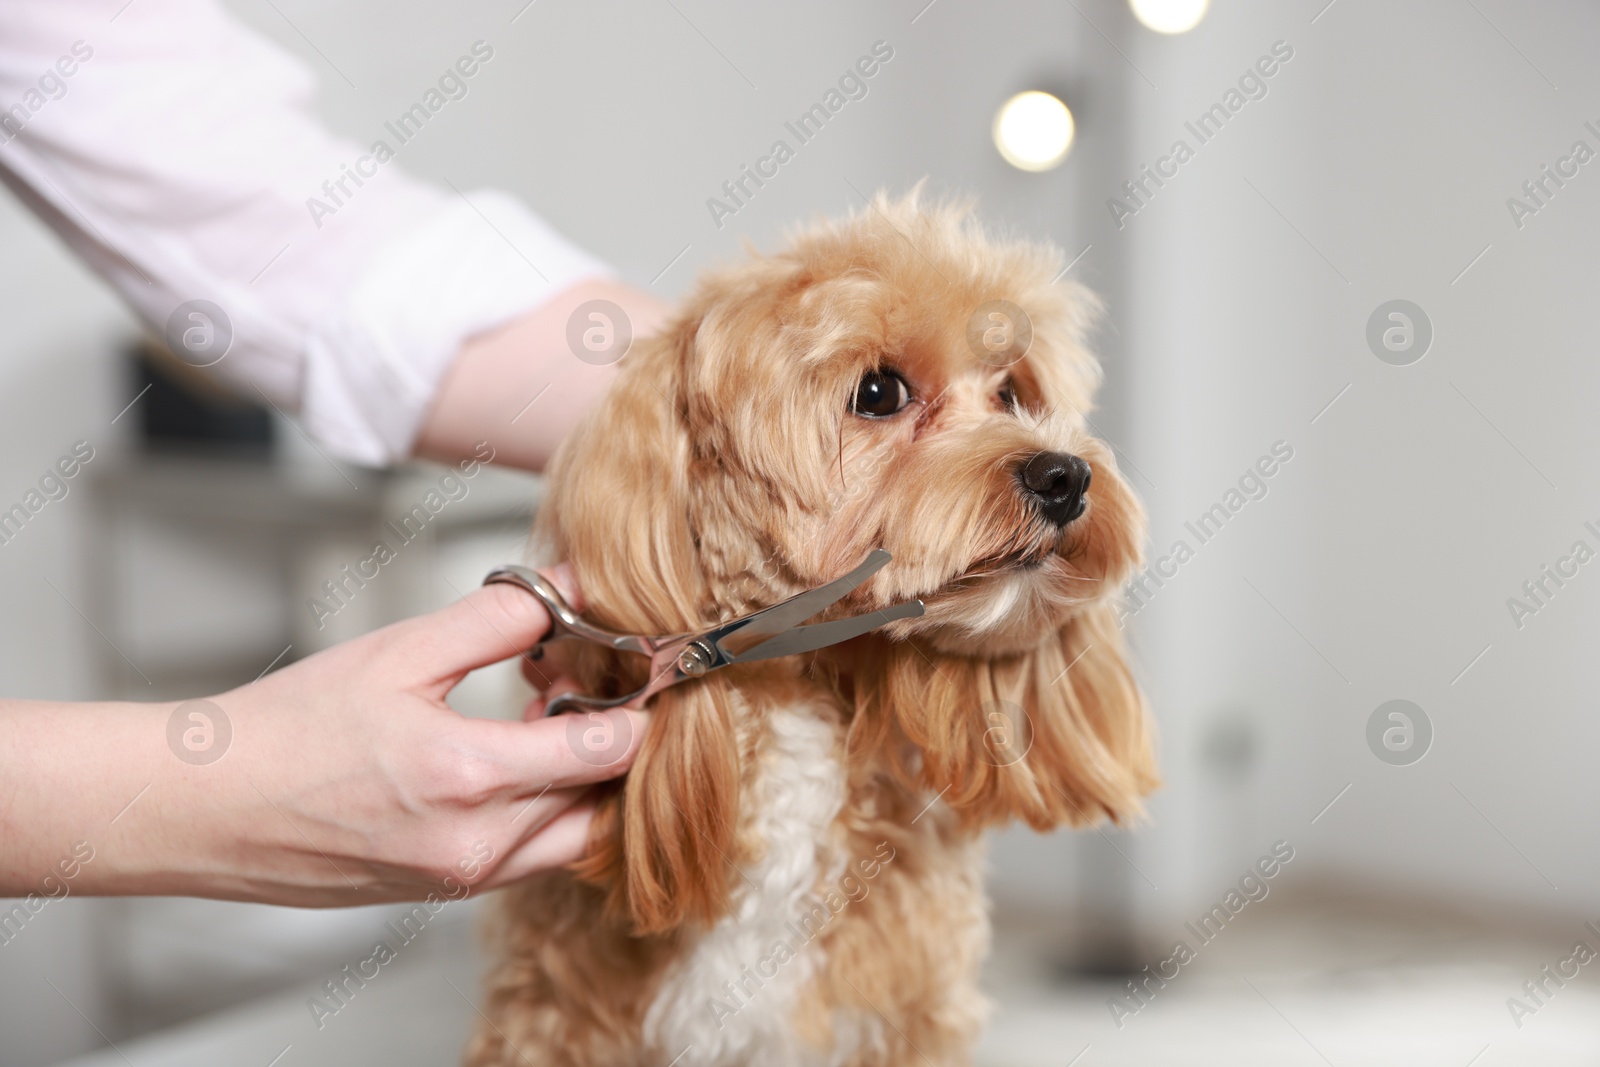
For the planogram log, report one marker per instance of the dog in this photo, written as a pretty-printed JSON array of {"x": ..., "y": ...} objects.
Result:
[{"x": 791, "y": 872}]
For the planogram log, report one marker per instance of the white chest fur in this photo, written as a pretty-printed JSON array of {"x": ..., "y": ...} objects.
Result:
[{"x": 731, "y": 998}]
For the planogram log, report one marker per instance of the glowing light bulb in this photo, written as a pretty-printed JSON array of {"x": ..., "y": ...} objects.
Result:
[
  {"x": 1033, "y": 131},
  {"x": 1170, "y": 16}
]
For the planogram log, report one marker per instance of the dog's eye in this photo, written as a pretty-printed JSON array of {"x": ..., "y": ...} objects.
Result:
[
  {"x": 1007, "y": 396},
  {"x": 881, "y": 394}
]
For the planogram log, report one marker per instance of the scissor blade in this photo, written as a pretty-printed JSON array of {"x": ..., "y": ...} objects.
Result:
[
  {"x": 822, "y": 634},
  {"x": 797, "y": 609}
]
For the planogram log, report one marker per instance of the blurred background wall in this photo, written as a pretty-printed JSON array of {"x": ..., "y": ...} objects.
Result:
[{"x": 1419, "y": 497}]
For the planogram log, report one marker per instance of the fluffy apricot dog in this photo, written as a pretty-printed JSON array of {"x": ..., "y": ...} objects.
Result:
[{"x": 791, "y": 872}]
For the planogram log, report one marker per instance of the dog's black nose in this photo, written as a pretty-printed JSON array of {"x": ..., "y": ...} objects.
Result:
[{"x": 1056, "y": 482}]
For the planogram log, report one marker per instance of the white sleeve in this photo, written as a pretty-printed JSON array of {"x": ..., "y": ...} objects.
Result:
[{"x": 174, "y": 150}]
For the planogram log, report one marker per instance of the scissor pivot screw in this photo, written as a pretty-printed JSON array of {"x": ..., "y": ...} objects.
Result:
[{"x": 694, "y": 660}]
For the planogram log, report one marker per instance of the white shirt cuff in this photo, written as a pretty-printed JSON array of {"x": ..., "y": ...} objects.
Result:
[{"x": 374, "y": 364}]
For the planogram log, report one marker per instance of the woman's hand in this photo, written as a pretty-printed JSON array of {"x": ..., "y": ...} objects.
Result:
[{"x": 342, "y": 779}]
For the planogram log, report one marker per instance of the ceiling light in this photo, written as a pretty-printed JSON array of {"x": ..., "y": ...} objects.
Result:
[
  {"x": 1170, "y": 16},
  {"x": 1033, "y": 131}
]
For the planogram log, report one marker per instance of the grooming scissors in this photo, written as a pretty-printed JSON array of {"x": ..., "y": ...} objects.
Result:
[{"x": 677, "y": 658}]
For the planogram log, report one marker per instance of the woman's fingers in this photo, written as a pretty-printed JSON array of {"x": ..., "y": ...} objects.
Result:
[
  {"x": 530, "y": 813},
  {"x": 555, "y": 658},
  {"x": 488, "y": 625},
  {"x": 578, "y": 748},
  {"x": 564, "y": 839},
  {"x": 565, "y": 580}
]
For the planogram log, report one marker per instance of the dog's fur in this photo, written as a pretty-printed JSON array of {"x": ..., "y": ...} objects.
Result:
[{"x": 791, "y": 872}]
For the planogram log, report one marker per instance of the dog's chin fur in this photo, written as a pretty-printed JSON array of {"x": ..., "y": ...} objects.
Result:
[{"x": 790, "y": 873}]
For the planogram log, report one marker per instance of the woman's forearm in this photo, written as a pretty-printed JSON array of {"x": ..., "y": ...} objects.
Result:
[
  {"x": 523, "y": 387},
  {"x": 73, "y": 781}
]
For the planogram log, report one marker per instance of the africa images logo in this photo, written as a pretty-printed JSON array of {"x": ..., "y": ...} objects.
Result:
[
  {"x": 852, "y": 85},
  {"x": 1139, "y": 190},
  {"x": 451, "y": 85}
]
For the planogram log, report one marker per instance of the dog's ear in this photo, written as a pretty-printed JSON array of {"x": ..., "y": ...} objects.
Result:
[
  {"x": 661, "y": 842},
  {"x": 618, "y": 510},
  {"x": 1057, "y": 735}
]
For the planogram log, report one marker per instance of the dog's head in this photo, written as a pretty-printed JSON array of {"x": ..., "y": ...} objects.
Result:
[{"x": 897, "y": 380}]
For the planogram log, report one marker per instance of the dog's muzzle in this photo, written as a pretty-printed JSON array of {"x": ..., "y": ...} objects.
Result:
[{"x": 1055, "y": 483}]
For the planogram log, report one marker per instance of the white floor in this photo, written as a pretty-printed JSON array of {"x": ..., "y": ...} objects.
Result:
[
  {"x": 1304, "y": 982},
  {"x": 1315, "y": 982}
]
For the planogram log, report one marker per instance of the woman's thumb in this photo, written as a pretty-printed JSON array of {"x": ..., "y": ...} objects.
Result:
[{"x": 488, "y": 625}]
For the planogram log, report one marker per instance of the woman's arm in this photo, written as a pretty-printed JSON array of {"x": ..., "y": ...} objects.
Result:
[
  {"x": 175, "y": 150},
  {"x": 342, "y": 779},
  {"x": 522, "y": 388}
]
